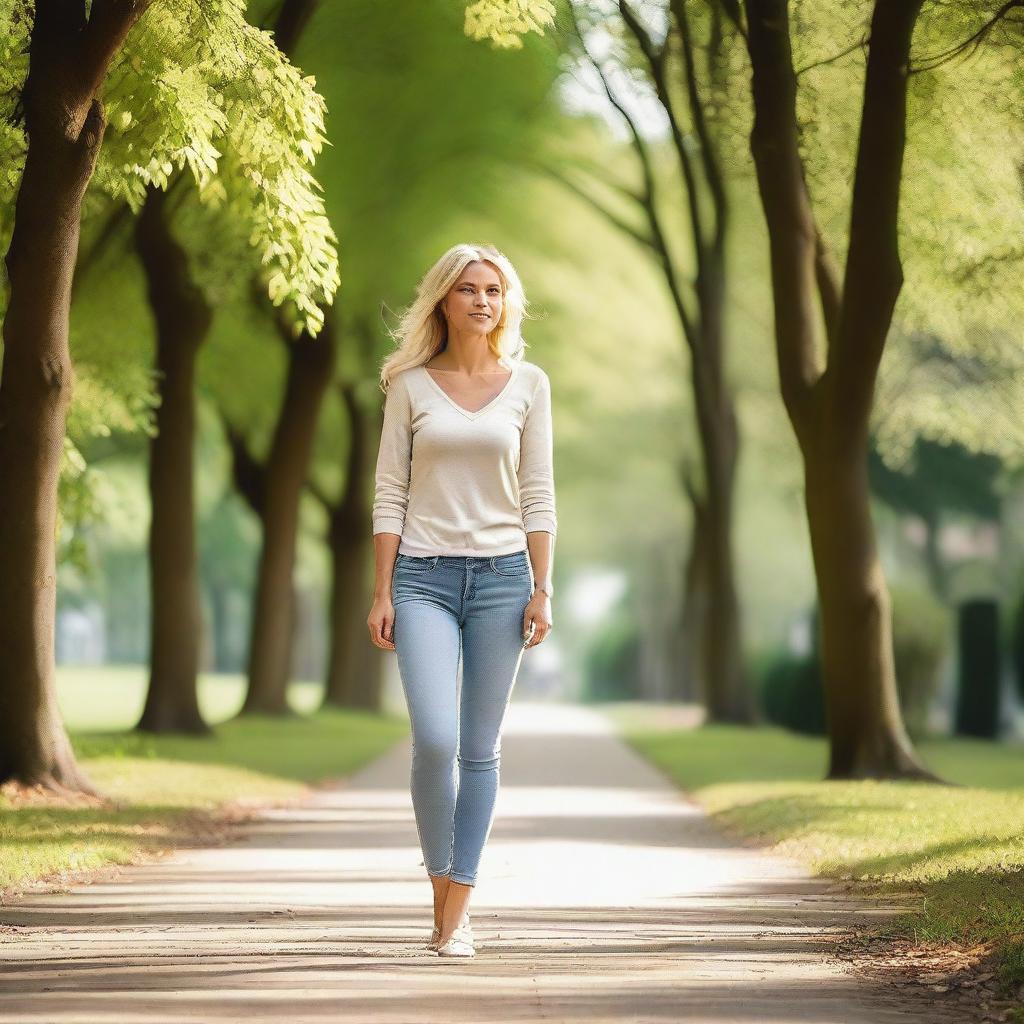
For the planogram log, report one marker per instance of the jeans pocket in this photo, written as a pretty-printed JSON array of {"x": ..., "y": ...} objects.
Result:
[
  {"x": 417, "y": 563},
  {"x": 515, "y": 564}
]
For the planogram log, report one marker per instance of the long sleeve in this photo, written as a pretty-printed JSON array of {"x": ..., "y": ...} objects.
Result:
[
  {"x": 536, "y": 463},
  {"x": 394, "y": 461}
]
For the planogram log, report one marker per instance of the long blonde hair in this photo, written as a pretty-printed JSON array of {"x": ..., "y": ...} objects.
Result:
[{"x": 423, "y": 330}]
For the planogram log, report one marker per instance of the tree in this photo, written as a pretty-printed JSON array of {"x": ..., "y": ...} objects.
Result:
[
  {"x": 193, "y": 73},
  {"x": 829, "y": 405},
  {"x": 182, "y": 319},
  {"x": 310, "y": 368},
  {"x": 353, "y": 668},
  {"x": 182, "y": 315},
  {"x": 711, "y": 612}
]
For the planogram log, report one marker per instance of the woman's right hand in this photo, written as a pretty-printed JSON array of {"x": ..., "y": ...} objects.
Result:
[{"x": 382, "y": 623}]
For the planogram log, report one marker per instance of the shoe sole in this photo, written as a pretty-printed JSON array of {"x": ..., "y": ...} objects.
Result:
[{"x": 463, "y": 928}]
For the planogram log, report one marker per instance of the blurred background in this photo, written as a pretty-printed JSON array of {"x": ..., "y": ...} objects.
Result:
[
  {"x": 777, "y": 294},
  {"x": 551, "y": 151}
]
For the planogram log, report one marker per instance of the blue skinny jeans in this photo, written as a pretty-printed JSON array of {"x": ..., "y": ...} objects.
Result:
[{"x": 447, "y": 608}]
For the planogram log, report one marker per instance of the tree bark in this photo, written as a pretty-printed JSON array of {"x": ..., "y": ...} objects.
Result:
[
  {"x": 723, "y": 679},
  {"x": 935, "y": 564},
  {"x": 830, "y": 406},
  {"x": 310, "y": 364},
  {"x": 727, "y": 696},
  {"x": 182, "y": 318},
  {"x": 353, "y": 678},
  {"x": 687, "y": 686},
  {"x": 68, "y": 60}
]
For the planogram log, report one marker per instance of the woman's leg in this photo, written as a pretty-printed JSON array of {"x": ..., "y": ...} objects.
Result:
[
  {"x": 492, "y": 650},
  {"x": 427, "y": 644}
]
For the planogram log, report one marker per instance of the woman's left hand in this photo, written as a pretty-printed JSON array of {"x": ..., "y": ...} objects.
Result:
[{"x": 537, "y": 620}]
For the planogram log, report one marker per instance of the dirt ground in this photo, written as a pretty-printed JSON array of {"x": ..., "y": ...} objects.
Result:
[{"x": 604, "y": 895}]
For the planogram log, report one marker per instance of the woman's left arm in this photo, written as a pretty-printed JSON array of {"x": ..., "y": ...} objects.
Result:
[{"x": 537, "y": 503}]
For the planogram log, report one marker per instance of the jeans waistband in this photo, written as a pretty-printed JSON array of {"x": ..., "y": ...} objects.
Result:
[{"x": 463, "y": 559}]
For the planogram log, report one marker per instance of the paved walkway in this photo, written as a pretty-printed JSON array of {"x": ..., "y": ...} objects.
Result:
[{"x": 604, "y": 895}]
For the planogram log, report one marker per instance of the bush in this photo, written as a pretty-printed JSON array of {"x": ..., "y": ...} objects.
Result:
[
  {"x": 921, "y": 642},
  {"x": 612, "y": 664},
  {"x": 977, "y": 708},
  {"x": 792, "y": 695}
]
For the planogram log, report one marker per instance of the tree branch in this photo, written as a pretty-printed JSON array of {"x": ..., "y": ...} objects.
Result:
[
  {"x": 655, "y": 61},
  {"x": 829, "y": 289},
  {"x": 648, "y": 197},
  {"x": 874, "y": 273},
  {"x": 792, "y": 232},
  {"x": 972, "y": 42},
  {"x": 110, "y": 21},
  {"x": 613, "y": 218},
  {"x": 712, "y": 171},
  {"x": 247, "y": 472}
]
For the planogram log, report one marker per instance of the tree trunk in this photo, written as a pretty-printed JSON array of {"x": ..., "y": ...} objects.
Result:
[
  {"x": 727, "y": 696},
  {"x": 830, "y": 407},
  {"x": 349, "y": 684},
  {"x": 35, "y": 390},
  {"x": 183, "y": 321},
  {"x": 220, "y": 612},
  {"x": 688, "y": 686},
  {"x": 868, "y": 738},
  {"x": 722, "y": 674},
  {"x": 933, "y": 560},
  {"x": 310, "y": 365},
  {"x": 69, "y": 56}
]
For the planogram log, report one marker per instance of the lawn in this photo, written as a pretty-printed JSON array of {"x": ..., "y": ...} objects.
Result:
[
  {"x": 961, "y": 846},
  {"x": 168, "y": 791}
]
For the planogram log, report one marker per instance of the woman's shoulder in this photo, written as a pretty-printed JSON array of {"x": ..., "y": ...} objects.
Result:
[
  {"x": 403, "y": 379},
  {"x": 532, "y": 374}
]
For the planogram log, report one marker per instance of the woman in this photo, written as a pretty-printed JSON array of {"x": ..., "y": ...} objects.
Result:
[{"x": 463, "y": 523}]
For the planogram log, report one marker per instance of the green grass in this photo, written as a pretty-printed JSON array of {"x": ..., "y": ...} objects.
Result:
[
  {"x": 961, "y": 847},
  {"x": 173, "y": 790}
]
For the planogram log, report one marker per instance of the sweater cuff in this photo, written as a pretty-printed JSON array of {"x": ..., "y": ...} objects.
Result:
[
  {"x": 540, "y": 522},
  {"x": 385, "y": 525}
]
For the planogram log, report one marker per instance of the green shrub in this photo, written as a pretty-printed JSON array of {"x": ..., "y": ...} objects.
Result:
[
  {"x": 792, "y": 695},
  {"x": 978, "y": 669},
  {"x": 921, "y": 640},
  {"x": 612, "y": 664}
]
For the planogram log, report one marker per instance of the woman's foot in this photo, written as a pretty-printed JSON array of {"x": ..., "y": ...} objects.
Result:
[{"x": 459, "y": 943}]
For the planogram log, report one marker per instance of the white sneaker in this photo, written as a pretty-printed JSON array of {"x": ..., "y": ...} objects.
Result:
[{"x": 460, "y": 943}]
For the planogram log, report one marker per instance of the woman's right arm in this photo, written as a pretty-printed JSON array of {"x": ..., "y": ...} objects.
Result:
[{"x": 391, "y": 501}]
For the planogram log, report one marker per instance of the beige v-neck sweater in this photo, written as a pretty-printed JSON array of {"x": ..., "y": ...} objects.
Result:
[{"x": 454, "y": 482}]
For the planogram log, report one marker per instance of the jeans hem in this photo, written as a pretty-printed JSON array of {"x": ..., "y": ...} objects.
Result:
[{"x": 464, "y": 879}]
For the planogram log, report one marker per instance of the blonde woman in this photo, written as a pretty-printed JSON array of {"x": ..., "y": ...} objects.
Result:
[{"x": 463, "y": 523}]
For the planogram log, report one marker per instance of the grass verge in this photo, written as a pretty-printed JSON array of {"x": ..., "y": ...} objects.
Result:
[
  {"x": 169, "y": 791},
  {"x": 960, "y": 847}
]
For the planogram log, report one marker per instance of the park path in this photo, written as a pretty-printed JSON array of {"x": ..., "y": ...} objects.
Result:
[{"x": 604, "y": 895}]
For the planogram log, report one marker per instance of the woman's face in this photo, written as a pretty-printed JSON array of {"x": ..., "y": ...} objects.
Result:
[{"x": 474, "y": 304}]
